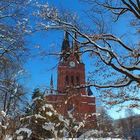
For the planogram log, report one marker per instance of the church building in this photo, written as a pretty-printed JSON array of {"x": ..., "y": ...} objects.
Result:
[{"x": 71, "y": 94}]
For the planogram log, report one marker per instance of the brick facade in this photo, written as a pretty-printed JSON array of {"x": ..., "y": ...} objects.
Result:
[{"x": 71, "y": 74}]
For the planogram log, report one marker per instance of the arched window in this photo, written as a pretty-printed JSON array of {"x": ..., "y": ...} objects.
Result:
[
  {"x": 67, "y": 80},
  {"x": 72, "y": 80},
  {"x": 77, "y": 80}
]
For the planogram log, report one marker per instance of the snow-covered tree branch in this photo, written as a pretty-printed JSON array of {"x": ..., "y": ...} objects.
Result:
[{"x": 120, "y": 59}]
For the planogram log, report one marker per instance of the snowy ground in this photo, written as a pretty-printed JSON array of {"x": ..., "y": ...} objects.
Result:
[
  {"x": 89, "y": 139},
  {"x": 9, "y": 138}
]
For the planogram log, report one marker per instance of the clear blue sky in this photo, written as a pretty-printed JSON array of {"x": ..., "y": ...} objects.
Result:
[{"x": 39, "y": 69}]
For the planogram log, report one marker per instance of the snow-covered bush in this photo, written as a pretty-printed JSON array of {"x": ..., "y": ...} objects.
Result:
[{"x": 42, "y": 121}]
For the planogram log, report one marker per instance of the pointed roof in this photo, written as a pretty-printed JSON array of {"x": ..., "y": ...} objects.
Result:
[
  {"x": 65, "y": 47},
  {"x": 75, "y": 44},
  {"x": 65, "y": 43},
  {"x": 75, "y": 47},
  {"x": 51, "y": 84},
  {"x": 89, "y": 91}
]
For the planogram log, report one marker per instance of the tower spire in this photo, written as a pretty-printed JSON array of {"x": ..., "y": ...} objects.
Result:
[
  {"x": 75, "y": 42},
  {"x": 76, "y": 47},
  {"x": 51, "y": 84},
  {"x": 65, "y": 46}
]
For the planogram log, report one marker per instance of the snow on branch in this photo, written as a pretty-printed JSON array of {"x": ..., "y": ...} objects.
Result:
[
  {"x": 25, "y": 130},
  {"x": 97, "y": 48}
]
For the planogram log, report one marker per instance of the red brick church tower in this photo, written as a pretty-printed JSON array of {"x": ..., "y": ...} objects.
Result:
[
  {"x": 70, "y": 95},
  {"x": 71, "y": 72}
]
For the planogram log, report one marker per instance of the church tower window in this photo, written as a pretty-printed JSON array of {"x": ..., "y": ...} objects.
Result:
[
  {"x": 77, "y": 80},
  {"x": 72, "y": 80},
  {"x": 71, "y": 71},
  {"x": 67, "y": 80}
]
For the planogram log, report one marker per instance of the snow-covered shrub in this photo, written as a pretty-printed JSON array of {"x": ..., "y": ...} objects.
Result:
[{"x": 42, "y": 121}]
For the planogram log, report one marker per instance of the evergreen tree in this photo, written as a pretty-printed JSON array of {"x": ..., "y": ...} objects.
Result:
[
  {"x": 37, "y": 93},
  {"x": 43, "y": 122}
]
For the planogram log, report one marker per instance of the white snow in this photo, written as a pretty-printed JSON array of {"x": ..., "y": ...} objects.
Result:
[
  {"x": 55, "y": 133},
  {"x": 61, "y": 118},
  {"x": 8, "y": 137},
  {"x": 89, "y": 134},
  {"x": 37, "y": 98},
  {"x": 26, "y": 130},
  {"x": 38, "y": 116},
  {"x": 70, "y": 114},
  {"x": 81, "y": 124},
  {"x": 48, "y": 126},
  {"x": 15, "y": 90},
  {"x": 49, "y": 113},
  {"x": 47, "y": 106},
  {"x": 19, "y": 137},
  {"x": 2, "y": 113},
  {"x": 57, "y": 124}
]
